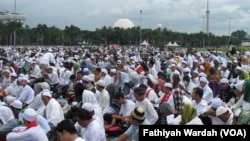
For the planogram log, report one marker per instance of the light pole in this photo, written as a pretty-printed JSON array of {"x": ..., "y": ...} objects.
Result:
[
  {"x": 140, "y": 24},
  {"x": 203, "y": 43},
  {"x": 15, "y": 25},
  {"x": 229, "y": 33}
]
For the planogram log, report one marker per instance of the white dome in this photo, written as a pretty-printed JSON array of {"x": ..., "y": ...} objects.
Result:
[
  {"x": 123, "y": 23},
  {"x": 159, "y": 26}
]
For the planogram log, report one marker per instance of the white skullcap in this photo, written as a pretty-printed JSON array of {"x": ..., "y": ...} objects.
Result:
[
  {"x": 23, "y": 78},
  {"x": 224, "y": 80},
  {"x": 238, "y": 68},
  {"x": 30, "y": 114},
  {"x": 172, "y": 65},
  {"x": 195, "y": 71},
  {"x": 195, "y": 61},
  {"x": 216, "y": 102},
  {"x": 88, "y": 106},
  {"x": 140, "y": 60},
  {"x": 44, "y": 85},
  {"x": 13, "y": 74},
  {"x": 202, "y": 67},
  {"x": 202, "y": 74},
  {"x": 224, "y": 65},
  {"x": 17, "y": 104},
  {"x": 113, "y": 70},
  {"x": 168, "y": 85},
  {"x": 86, "y": 78},
  {"x": 184, "y": 62},
  {"x": 49, "y": 50},
  {"x": 176, "y": 73},
  {"x": 10, "y": 98},
  {"x": 46, "y": 92},
  {"x": 203, "y": 79},
  {"x": 104, "y": 71},
  {"x": 186, "y": 70},
  {"x": 235, "y": 61},
  {"x": 221, "y": 110},
  {"x": 74, "y": 103},
  {"x": 85, "y": 70},
  {"x": 239, "y": 85},
  {"x": 100, "y": 83},
  {"x": 6, "y": 70}
]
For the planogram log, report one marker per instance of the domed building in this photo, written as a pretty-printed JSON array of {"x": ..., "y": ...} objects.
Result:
[
  {"x": 123, "y": 23},
  {"x": 159, "y": 26}
]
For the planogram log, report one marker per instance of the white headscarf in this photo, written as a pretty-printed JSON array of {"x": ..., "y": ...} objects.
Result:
[{"x": 6, "y": 114}]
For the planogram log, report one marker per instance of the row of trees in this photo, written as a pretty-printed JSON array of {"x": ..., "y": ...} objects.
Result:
[{"x": 72, "y": 35}]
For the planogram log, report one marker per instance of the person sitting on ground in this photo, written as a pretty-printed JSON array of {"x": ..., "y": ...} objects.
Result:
[
  {"x": 66, "y": 131},
  {"x": 126, "y": 107},
  {"x": 189, "y": 115},
  {"x": 136, "y": 118},
  {"x": 31, "y": 130}
]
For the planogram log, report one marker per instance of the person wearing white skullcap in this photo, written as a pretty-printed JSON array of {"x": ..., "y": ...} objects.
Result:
[
  {"x": 226, "y": 92},
  {"x": 105, "y": 77},
  {"x": 207, "y": 91},
  {"x": 104, "y": 97},
  {"x": 195, "y": 78},
  {"x": 13, "y": 87},
  {"x": 224, "y": 71},
  {"x": 17, "y": 108},
  {"x": 6, "y": 80},
  {"x": 224, "y": 114},
  {"x": 37, "y": 104},
  {"x": 39, "y": 119},
  {"x": 90, "y": 97},
  {"x": 27, "y": 94},
  {"x": 9, "y": 99},
  {"x": 87, "y": 81},
  {"x": 7, "y": 120},
  {"x": 31, "y": 131},
  {"x": 53, "y": 111},
  {"x": 242, "y": 107},
  {"x": 94, "y": 112},
  {"x": 211, "y": 112}
]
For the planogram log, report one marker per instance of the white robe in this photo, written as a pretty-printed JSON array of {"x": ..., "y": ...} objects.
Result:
[
  {"x": 54, "y": 112},
  {"x": 32, "y": 134}
]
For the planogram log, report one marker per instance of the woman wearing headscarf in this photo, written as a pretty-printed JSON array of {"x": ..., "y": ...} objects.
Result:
[
  {"x": 165, "y": 110},
  {"x": 243, "y": 102},
  {"x": 189, "y": 115}
]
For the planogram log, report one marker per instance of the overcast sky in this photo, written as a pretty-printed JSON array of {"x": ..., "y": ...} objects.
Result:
[{"x": 177, "y": 15}]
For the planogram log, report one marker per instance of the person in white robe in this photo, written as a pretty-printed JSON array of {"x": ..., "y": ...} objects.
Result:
[
  {"x": 103, "y": 98},
  {"x": 53, "y": 112},
  {"x": 31, "y": 131},
  {"x": 26, "y": 96},
  {"x": 93, "y": 130}
]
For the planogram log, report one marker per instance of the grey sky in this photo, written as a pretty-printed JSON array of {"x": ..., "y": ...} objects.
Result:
[{"x": 177, "y": 15}]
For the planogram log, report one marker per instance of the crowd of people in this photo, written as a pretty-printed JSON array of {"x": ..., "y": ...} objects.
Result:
[{"x": 82, "y": 94}]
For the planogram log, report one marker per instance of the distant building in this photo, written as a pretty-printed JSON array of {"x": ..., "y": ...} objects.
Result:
[
  {"x": 123, "y": 23},
  {"x": 7, "y": 17},
  {"x": 245, "y": 43}
]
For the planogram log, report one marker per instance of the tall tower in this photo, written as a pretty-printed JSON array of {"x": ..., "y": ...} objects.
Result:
[{"x": 207, "y": 19}]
